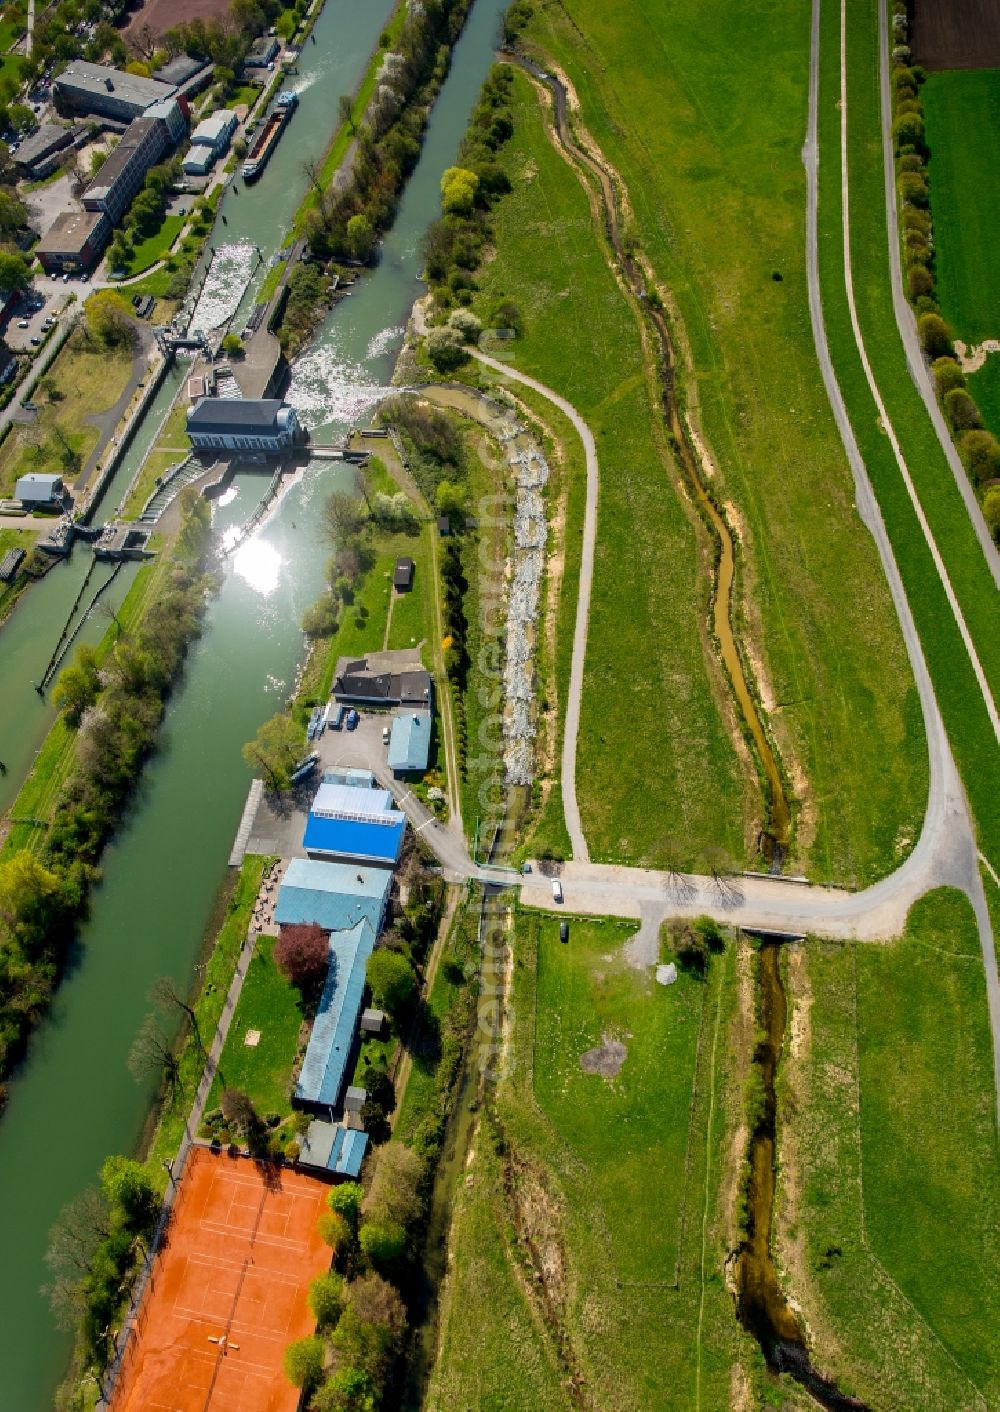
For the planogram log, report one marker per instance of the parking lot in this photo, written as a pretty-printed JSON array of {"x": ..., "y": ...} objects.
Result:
[{"x": 29, "y": 321}]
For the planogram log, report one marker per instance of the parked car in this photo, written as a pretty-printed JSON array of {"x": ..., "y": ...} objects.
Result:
[
  {"x": 352, "y": 719},
  {"x": 386, "y": 733},
  {"x": 557, "y": 892},
  {"x": 35, "y": 340},
  {"x": 22, "y": 323}
]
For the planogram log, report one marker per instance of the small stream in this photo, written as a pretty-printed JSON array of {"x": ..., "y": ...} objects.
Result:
[{"x": 761, "y": 1305}]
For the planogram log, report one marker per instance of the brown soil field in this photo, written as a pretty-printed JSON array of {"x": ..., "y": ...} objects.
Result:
[
  {"x": 160, "y": 15},
  {"x": 955, "y": 34}
]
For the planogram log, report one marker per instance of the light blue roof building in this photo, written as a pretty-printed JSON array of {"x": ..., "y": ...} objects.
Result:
[
  {"x": 332, "y": 1037},
  {"x": 410, "y": 742},
  {"x": 334, "y": 1148},
  {"x": 336, "y": 896},
  {"x": 360, "y": 779}
]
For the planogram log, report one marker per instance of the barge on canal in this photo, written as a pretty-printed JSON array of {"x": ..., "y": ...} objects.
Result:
[{"x": 267, "y": 139}]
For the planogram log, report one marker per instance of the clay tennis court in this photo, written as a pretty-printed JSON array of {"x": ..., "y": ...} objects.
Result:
[{"x": 237, "y": 1265}]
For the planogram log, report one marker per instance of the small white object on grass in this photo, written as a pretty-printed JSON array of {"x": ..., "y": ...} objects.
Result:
[
  {"x": 252, "y": 1039},
  {"x": 666, "y": 975}
]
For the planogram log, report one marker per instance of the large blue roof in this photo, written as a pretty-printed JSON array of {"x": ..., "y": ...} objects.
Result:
[
  {"x": 329, "y": 1046},
  {"x": 410, "y": 742},
  {"x": 354, "y": 838},
  {"x": 336, "y": 896}
]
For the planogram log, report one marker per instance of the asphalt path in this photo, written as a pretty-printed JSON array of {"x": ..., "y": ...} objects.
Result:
[{"x": 906, "y": 320}]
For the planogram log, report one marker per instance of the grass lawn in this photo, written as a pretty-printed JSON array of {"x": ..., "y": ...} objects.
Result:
[
  {"x": 962, "y": 118},
  {"x": 14, "y": 539},
  {"x": 958, "y": 695},
  {"x": 147, "y": 252},
  {"x": 892, "y": 1137},
  {"x": 608, "y": 1176},
  {"x": 716, "y": 221},
  {"x": 218, "y": 974},
  {"x": 172, "y": 445},
  {"x": 413, "y": 612},
  {"x": 88, "y": 380},
  {"x": 267, "y": 1003},
  {"x": 984, "y": 386}
]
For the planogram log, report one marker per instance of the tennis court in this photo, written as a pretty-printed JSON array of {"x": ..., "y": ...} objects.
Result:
[{"x": 228, "y": 1292}]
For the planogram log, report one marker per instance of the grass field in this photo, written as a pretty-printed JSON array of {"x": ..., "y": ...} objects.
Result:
[
  {"x": 984, "y": 386},
  {"x": 269, "y": 1004},
  {"x": 172, "y": 445},
  {"x": 687, "y": 133},
  {"x": 601, "y": 1182},
  {"x": 962, "y": 119},
  {"x": 147, "y": 252},
  {"x": 965, "y": 716},
  {"x": 891, "y": 1137},
  {"x": 14, "y": 539},
  {"x": 87, "y": 381},
  {"x": 652, "y": 684}
]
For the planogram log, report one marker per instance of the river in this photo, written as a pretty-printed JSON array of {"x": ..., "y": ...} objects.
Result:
[{"x": 75, "y": 1101}]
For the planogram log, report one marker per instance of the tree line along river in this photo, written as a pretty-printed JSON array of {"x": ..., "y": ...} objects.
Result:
[{"x": 74, "y": 1100}]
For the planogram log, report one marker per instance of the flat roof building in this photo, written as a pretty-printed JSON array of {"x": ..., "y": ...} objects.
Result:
[
  {"x": 83, "y": 87},
  {"x": 262, "y": 52},
  {"x": 330, "y": 1043},
  {"x": 410, "y": 743},
  {"x": 334, "y": 896},
  {"x": 123, "y": 174},
  {"x": 180, "y": 70},
  {"x": 34, "y": 489},
  {"x": 333, "y": 1148},
  {"x": 74, "y": 241},
  {"x": 198, "y": 161},
  {"x": 360, "y": 779},
  {"x": 215, "y": 131},
  {"x": 350, "y": 822},
  {"x": 243, "y": 424},
  {"x": 38, "y": 155}
]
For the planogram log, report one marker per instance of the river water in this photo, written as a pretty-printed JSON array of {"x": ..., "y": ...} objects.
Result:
[{"x": 75, "y": 1101}]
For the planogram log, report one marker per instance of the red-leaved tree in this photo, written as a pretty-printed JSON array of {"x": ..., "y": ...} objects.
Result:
[{"x": 303, "y": 955}]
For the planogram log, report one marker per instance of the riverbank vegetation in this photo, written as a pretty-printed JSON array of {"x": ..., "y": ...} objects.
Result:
[
  {"x": 592, "y": 1224},
  {"x": 109, "y": 719},
  {"x": 888, "y": 1216}
]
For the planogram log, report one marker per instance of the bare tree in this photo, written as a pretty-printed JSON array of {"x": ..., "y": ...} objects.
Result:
[
  {"x": 676, "y": 882},
  {"x": 345, "y": 111},
  {"x": 165, "y": 994},
  {"x": 152, "y": 1055},
  {"x": 79, "y": 1229},
  {"x": 722, "y": 869},
  {"x": 342, "y": 516}
]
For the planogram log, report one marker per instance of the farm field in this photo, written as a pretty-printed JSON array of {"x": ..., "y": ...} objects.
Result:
[
  {"x": 956, "y": 34},
  {"x": 962, "y": 118},
  {"x": 889, "y": 1144},
  {"x": 961, "y": 703},
  {"x": 724, "y": 232},
  {"x": 608, "y": 1176}
]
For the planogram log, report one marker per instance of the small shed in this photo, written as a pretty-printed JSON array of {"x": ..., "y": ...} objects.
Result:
[
  {"x": 34, "y": 489},
  {"x": 444, "y": 526},
  {"x": 402, "y": 578},
  {"x": 372, "y": 1021},
  {"x": 410, "y": 742},
  {"x": 9, "y": 565},
  {"x": 354, "y": 1098},
  {"x": 333, "y": 1148}
]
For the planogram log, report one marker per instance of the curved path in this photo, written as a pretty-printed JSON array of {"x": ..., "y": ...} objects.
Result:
[
  {"x": 906, "y": 321},
  {"x": 571, "y": 725}
]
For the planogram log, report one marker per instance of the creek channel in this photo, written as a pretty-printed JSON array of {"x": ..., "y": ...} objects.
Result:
[
  {"x": 762, "y": 1307},
  {"x": 74, "y": 1101}
]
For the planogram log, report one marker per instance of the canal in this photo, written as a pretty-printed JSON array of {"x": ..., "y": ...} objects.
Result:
[{"x": 75, "y": 1101}]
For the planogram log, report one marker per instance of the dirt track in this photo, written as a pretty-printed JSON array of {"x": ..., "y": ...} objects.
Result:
[
  {"x": 955, "y": 34},
  {"x": 161, "y": 15}
]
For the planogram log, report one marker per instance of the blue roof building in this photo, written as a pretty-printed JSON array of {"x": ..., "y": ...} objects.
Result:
[
  {"x": 334, "y": 1148},
  {"x": 336, "y": 896},
  {"x": 332, "y": 1037},
  {"x": 410, "y": 742},
  {"x": 350, "y": 822}
]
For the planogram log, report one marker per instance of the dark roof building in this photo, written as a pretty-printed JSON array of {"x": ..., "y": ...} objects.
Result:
[
  {"x": 262, "y": 52},
  {"x": 96, "y": 88},
  {"x": 355, "y": 684},
  {"x": 74, "y": 241},
  {"x": 402, "y": 578},
  {"x": 122, "y": 175},
  {"x": 38, "y": 155},
  {"x": 265, "y": 425},
  {"x": 180, "y": 70}
]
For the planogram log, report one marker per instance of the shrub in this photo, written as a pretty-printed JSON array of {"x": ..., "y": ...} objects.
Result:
[
  {"x": 913, "y": 188},
  {"x": 991, "y": 509},
  {"x": 304, "y": 1363},
  {"x": 947, "y": 374},
  {"x": 980, "y": 452},
  {"x": 919, "y": 281},
  {"x": 962, "y": 411},
  {"x": 326, "y": 1298},
  {"x": 446, "y": 349},
  {"x": 333, "y": 1229},
  {"x": 346, "y": 1200},
  {"x": 935, "y": 336},
  {"x": 392, "y": 980},
  {"x": 465, "y": 323},
  {"x": 382, "y": 1241},
  {"x": 908, "y": 131},
  {"x": 302, "y": 954}
]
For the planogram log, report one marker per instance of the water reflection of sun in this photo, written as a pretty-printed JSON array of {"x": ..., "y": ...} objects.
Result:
[{"x": 259, "y": 564}]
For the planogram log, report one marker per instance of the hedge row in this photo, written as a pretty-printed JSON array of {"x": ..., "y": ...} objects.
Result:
[{"x": 978, "y": 447}]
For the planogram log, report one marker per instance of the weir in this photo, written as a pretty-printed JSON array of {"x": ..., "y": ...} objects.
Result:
[{"x": 75, "y": 1102}]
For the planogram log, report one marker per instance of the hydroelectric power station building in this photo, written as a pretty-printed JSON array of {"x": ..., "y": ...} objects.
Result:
[{"x": 257, "y": 426}]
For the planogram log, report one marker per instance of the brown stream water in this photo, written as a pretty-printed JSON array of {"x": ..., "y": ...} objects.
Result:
[{"x": 762, "y": 1307}]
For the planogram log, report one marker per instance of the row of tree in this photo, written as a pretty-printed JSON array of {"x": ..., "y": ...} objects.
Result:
[
  {"x": 978, "y": 447},
  {"x": 114, "y": 707}
]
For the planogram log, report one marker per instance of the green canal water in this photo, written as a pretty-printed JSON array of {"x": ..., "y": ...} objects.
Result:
[{"x": 75, "y": 1101}]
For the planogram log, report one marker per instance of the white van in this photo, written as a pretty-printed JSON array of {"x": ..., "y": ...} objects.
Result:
[{"x": 557, "y": 891}]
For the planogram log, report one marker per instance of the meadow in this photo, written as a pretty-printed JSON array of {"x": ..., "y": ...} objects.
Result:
[
  {"x": 892, "y": 1229},
  {"x": 577, "y": 1254},
  {"x": 956, "y": 688},
  {"x": 713, "y": 170},
  {"x": 962, "y": 121}
]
